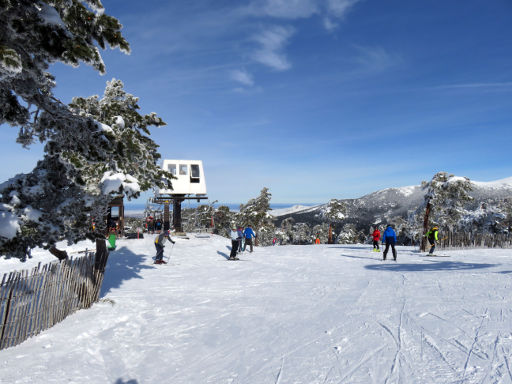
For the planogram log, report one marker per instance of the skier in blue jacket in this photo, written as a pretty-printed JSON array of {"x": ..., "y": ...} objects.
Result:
[
  {"x": 248, "y": 234},
  {"x": 389, "y": 238}
]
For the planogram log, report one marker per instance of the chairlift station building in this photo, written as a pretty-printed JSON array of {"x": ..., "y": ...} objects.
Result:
[{"x": 189, "y": 184}]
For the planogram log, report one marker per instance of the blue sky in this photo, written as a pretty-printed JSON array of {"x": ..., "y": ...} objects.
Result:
[{"x": 314, "y": 99}]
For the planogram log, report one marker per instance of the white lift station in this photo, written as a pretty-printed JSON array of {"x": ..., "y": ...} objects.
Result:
[{"x": 190, "y": 184}]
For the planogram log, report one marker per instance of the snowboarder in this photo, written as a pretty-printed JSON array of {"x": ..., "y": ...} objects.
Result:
[
  {"x": 248, "y": 234},
  {"x": 432, "y": 237},
  {"x": 159, "y": 245},
  {"x": 235, "y": 241},
  {"x": 389, "y": 238},
  {"x": 376, "y": 238}
]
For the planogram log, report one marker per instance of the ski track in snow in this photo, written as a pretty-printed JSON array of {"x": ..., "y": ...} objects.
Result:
[{"x": 292, "y": 314}]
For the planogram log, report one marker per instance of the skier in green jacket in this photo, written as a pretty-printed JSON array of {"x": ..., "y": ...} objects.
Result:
[{"x": 432, "y": 237}]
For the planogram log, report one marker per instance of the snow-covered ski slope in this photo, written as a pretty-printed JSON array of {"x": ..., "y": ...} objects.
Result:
[{"x": 284, "y": 314}]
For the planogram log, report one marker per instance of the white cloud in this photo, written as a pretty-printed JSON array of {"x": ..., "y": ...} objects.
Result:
[
  {"x": 290, "y": 9},
  {"x": 272, "y": 42},
  {"x": 242, "y": 77},
  {"x": 376, "y": 59},
  {"x": 338, "y": 8}
]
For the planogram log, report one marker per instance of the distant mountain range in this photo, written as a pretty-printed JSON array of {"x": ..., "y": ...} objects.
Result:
[{"x": 381, "y": 207}]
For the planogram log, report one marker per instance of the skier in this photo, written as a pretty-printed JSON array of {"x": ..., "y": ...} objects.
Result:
[
  {"x": 159, "y": 245},
  {"x": 317, "y": 240},
  {"x": 248, "y": 234},
  {"x": 235, "y": 241},
  {"x": 389, "y": 237},
  {"x": 240, "y": 237},
  {"x": 376, "y": 238},
  {"x": 432, "y": 238}
]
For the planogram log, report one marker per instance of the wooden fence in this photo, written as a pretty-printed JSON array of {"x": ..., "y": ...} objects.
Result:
[
  {"x": 475, "y": 240},
  {"x": 31, "y": 302}
]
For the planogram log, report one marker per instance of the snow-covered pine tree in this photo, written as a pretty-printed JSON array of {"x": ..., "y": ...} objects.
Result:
[
  {"x": 222, "y": 219},
  {"x": 35, "y": 35},
  {"x": 334, "y": 213},
  {"x": 323, "y": 231},
  {"x": 444, "y": 200},
  {"x": 38, "y": 206},
  {"x": 285, "y": 235},
  {"x": 302, "y": 234},
  {"x": 256, "y": 214},
  {"x": 68, "y": 187},
  {"x": 348, "y": 234}
]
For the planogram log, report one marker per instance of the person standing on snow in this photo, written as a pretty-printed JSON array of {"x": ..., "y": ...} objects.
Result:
[
  {"x": 240, "y": 237},
  {"x": 389, "y": 238},
  {"x": 248, "y": 234},
  {"x": 376, "y": 238},
  {"x": 432, "y": 237},
  {"x": 159, "y": 245},
  {"x": 235, "y": 241}
]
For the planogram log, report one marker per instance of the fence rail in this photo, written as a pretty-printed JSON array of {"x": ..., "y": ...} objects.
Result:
[
  {"x": 476, "y": 240},
  {"x": 31, "y": 302}
]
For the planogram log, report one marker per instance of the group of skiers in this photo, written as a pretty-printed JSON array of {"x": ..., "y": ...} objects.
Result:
[
  {"x": 240, "y": 239},
  {"x": 389, "y": 239}
]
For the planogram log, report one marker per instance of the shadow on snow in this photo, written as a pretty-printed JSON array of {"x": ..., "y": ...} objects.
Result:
[
  {"x": 223, "y": 254},
  {"x": 424, "y": 267},
  {"x": 122, "y": 265}
]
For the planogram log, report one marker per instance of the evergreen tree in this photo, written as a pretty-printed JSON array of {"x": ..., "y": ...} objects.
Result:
[
  {"x": 52, "y": 201},
  {"x": 334, "y": 213},
  {"x": 68, "y": 187},
  {"x": 444, "y": 199},
  {"x": 323, "y": 231},
  {"x": 285, "y": 235},
  {"x": 302, "y": 234},
  {"x": 256, "y": 214},
  {"x": 35, "y": 35},
  {"x": 222, "y": 220}
]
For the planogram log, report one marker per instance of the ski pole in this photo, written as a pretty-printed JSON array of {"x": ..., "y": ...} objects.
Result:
[{"x": 170, "y": 253}]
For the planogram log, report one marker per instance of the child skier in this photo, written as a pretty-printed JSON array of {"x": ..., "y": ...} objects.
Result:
[
  {"x": 389, "y": 237},
  {"x": 235, "y": 241},
  {"x": 376, "y": 238},
  {"x": 159, "y": 245},
  {"x": 432, "y": 237}
]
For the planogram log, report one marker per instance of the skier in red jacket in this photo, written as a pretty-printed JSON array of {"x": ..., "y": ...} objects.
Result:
[{"x": 376, "y": 238}]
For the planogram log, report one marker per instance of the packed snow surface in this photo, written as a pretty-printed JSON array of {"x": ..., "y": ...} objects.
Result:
[{"x": 283, "y": 314}]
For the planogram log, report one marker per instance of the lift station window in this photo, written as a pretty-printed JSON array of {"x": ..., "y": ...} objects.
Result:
[
  {"x": 183, "y": 169},
  {"x": 194, "y": 173},
  {"x": 114, "y": 212},
  {"x": 172, "y": 169}
]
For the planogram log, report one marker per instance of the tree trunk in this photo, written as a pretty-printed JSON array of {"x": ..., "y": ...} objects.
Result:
[
  {"x": 425, "y": 227},
  {"x": 61, "y": 255},
  {"x": 330, "y": 234}
]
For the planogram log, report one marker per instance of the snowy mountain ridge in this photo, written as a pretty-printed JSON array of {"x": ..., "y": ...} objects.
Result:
[{"x": 388, "y": 204}]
